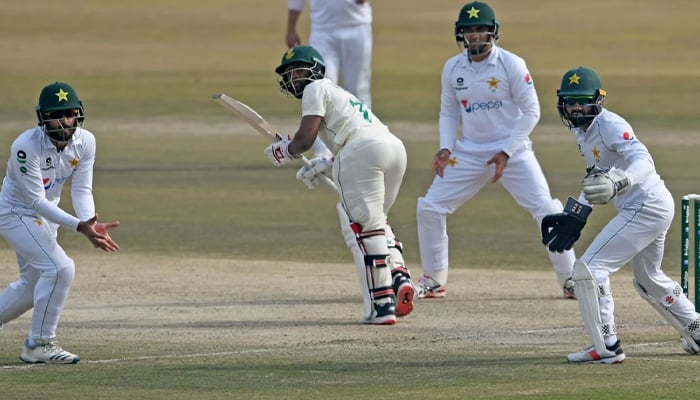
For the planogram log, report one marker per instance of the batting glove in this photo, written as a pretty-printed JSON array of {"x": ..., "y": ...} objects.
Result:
[
  {"x": 278, "y": 152},
  {"x": 311, "y": 173},
  {"x": 600, "y": 186}
]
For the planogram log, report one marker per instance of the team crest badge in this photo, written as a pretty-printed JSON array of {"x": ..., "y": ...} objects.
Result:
[
  {"x": 493, "y": 83},
  {"x": 62, "y": 95}
]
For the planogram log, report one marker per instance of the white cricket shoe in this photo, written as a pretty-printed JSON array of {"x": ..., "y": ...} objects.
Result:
[
  {"x": 589, "y": 355},
  {"x": 49, "y": 353},
  {"x": 429, "y": 288},
  {"x": 691, "y": 348}
]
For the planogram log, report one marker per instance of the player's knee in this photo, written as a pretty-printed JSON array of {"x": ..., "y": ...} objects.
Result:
[
  {"x": 425, "y": 209},
  {"x": 62, "y": 275},
  {"x": 66, "y": 273}
]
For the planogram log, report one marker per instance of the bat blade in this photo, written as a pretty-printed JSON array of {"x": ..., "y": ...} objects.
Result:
[
  {"x": 250, "y": 116},
  {"x": 255, "y": 120}
]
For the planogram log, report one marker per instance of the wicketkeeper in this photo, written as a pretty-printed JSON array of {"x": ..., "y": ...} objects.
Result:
[
  {"x": 368, "y": 167},
  {"x": 620, "y": 170}
]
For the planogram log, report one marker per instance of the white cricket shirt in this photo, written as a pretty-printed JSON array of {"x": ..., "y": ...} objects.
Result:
[
  {"x": 37, "y": 171},
  {"x": 343, "y": 114},
  {"x": 610, "y": 142},
  {"x": 495, "y": 99}
]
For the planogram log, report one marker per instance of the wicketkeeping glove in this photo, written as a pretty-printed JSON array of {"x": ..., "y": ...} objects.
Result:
[
  {"x": 600, "y": 186},
  {"x": 278, "y": 152},
  {"x": 561, "y": 231},
  {"x": 311, "y": 174}
]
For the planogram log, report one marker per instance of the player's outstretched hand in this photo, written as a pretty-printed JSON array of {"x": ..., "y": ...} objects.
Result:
[{"x": 98, "y": 233}]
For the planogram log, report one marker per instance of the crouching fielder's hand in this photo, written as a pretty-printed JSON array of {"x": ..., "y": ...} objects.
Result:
[
  {"x": 561, "y": 231},
  {"x": 311, "y": 173},
  {"x": 600, "y": 186},
  {"x": 98, "y": 233},
  {"x": 278, "y": 152}
]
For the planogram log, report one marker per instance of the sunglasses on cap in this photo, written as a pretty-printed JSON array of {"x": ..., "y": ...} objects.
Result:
[
  {"x": 58, "y": 114},
  {"x": 581, "y": 100}
]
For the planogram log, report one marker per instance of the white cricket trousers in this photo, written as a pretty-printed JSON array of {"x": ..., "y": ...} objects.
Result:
[
  {"x": 368, "y": 171},
  {"x": 45, "y": 272},
  {"x": 522, "y": 178},
  {"x": 636, "y": 235}
]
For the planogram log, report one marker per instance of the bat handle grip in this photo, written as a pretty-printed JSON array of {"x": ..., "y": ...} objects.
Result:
[{"x": 305, "y": 161}]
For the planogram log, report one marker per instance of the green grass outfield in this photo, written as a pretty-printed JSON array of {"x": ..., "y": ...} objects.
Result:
[{"x": 190, "y": 183}]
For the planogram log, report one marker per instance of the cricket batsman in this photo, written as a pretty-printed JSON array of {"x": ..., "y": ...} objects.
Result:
[{"x": 368, "y": 168}]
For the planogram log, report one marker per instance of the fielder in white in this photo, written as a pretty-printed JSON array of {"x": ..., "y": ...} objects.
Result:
[
  {"x": 41, "y": 160},
  {"x": 491, "y": 90},
  {"x": 341, "y": 31},
  {"x": 619, "y": 170},
  {"x": 368, "y": 169}
]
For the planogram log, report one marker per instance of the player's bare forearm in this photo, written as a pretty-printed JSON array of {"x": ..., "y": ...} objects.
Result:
[
  {"x": 306, "y": 135},
  {"x": 292, "y": 38}
]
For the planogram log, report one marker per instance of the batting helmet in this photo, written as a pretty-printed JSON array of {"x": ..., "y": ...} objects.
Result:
[{"x": 300, "y": 66}]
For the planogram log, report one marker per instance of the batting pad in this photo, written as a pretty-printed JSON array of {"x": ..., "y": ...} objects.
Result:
[
  {"x": 370, "y": 253},
  {"x": 588, "y": 303}
]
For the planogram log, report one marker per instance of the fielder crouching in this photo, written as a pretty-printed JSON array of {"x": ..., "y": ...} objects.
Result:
[
  {"x": 42, "y": 159},
  {"x": 619, "y": 170},
  {"x": 368, "y": 166}
]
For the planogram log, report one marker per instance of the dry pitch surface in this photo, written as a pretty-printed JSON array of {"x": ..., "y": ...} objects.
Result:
[{"x": 162, "y": 307}]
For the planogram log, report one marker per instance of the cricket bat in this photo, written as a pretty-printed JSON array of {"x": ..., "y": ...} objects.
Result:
[{"x": 255, "y": 120}]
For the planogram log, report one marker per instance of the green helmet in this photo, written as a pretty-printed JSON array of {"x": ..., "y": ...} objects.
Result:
[
  {"x": 302, "y": 58},
  {"x": 476, "y": 13},
  {"x": 300, "y": 54},
  {"x": 580, "y": 86},
  {"x": 58, "y": 96},
  {"x": 56, "y": 101}
]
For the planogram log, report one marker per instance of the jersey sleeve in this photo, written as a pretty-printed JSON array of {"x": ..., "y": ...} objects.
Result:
[
  {"x": 449, "y": 108},
  {"x": 620, "y": 138},
  {"x": 314, "y": 100},
  {"x": 81, "y": 181},
  {"x": 525, "y": 98}
]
